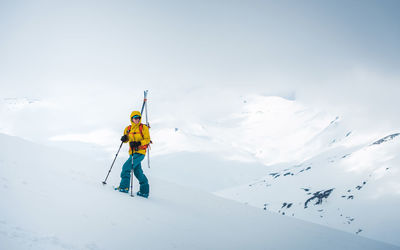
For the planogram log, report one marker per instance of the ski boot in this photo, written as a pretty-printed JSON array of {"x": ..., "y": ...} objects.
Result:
[
  {"x": 142, "y": 195},
  {"x": 122, "y": 190}
]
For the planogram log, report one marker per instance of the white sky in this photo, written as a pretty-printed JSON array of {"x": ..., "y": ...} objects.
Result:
[{"x": 91, "y": 60}]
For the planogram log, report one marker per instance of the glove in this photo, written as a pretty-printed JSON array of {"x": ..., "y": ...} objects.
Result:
[
  {"x": 124, "y": 138},
  {"x": 135, "y": 145}
]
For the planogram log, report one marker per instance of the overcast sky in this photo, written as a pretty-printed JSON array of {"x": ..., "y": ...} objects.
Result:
[{"x": 93, "y": 59}]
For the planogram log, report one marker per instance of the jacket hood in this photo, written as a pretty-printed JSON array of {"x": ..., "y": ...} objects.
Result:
[{"x": 133, "y": 114}]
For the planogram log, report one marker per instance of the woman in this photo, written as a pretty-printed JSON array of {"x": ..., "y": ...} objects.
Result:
[{"x": 138, "y": 136}]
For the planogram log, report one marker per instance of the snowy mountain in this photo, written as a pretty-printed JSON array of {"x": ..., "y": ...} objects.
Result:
[
  {"x": 352, "y": 189},
  {"x": 310, "y": 165},
  {"x": 55, "y": 200}
]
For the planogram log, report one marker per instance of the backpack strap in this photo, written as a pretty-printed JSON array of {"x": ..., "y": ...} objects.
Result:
[
  {"x": 141, "y": 132},
  {"x": 141, "y": 129},
  {"x": 129, "y": 129}
]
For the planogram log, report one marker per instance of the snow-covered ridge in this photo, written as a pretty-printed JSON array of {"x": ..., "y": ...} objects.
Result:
[
  {"x": 386, "y": 138},
  {"x": 345, "y": 188},
  {"x": 19, "y": 103},
  {"x": 17, "y": 112},
  {"x": 265, "y": 129}
]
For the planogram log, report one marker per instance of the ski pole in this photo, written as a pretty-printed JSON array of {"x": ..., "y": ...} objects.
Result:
[
  {"x": 148, "y": 125},
  {"x": 148, "y": 157},
  {"x": 104, "y": 182},
  {"x": 132, "y": 177}
]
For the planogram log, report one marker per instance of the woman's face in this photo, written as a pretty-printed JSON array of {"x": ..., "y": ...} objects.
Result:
[{"x": 136, "y": 120}]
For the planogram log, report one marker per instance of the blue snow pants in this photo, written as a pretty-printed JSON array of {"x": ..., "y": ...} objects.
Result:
[{"x": 137, "y": 170}]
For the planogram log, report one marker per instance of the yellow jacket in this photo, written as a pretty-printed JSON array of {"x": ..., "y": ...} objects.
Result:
[{"x": 134, "y": 134}]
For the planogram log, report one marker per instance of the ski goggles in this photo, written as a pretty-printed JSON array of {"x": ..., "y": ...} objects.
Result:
[{"x": 136, "y": 117}]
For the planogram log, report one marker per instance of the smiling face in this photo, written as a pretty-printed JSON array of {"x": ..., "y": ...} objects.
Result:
[{"x": 136, "y": 119}]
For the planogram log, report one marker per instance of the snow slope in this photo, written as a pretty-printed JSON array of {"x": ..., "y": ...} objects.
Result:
[
  {"x": 54, "y": 200},
  {"x": 346, "y": 179},
  {"x": 281, "y": 156},
  {"x": 205, "y": 171},
  {"x": 352, "y": 189}
]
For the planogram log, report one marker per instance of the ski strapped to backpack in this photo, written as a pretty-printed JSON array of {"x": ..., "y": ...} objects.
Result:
[{"x": 141, "y": 133}]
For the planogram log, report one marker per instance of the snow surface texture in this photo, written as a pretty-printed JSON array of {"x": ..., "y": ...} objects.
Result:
[{"x": 54, "y": 200}]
